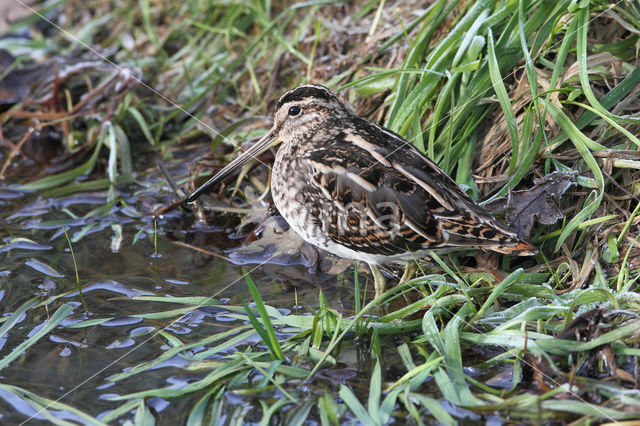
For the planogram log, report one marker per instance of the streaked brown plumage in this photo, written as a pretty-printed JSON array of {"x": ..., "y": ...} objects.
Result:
[{"x": 360, "y": 191}]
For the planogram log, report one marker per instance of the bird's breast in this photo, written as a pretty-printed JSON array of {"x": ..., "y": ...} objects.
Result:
[{"x": 292, "y": 198}]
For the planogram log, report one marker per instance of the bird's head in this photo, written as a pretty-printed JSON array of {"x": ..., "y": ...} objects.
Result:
[{"x": 299, "y": 113}]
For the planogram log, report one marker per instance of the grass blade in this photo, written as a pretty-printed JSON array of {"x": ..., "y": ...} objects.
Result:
[
  {"x": 503, "y": 98},
  {"x": 582, "y": 143},
  {"x": 375, "y": 390},
  {"x": 43, "y": 405},
  {"x": 59, "y": 315},
  {"x": 16, "y": 315},
  {"x": 355, "y": 406},
  {"x": 267, "y": 333}
]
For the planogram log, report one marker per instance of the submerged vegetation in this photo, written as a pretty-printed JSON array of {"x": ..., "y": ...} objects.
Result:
[{"x": 115, "y": 310}]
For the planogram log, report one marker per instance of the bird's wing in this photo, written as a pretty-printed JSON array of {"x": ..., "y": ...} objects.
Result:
[{"x": 386, "y": 197}]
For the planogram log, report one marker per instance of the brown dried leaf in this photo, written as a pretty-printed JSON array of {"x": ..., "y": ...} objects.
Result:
[
  {"x": 540, "y": 370},
  {"x": 584, "y": 327},
  {"x": 625, "y": 376},
  {"x": 539, "y": 202},
  {"x": 16, "y": 83}
]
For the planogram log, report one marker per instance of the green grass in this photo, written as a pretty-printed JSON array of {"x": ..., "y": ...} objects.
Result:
[{"x": 496, "y": 92}]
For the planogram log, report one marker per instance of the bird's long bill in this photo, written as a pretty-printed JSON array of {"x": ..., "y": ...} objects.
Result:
[{"x": 258, "y": 148}]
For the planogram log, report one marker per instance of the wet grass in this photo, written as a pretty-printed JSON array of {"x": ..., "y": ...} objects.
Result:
[{"x": 497, "y": 94}]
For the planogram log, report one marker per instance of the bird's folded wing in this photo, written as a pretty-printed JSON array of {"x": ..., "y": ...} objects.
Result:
[{"x": 388, "y": 198}]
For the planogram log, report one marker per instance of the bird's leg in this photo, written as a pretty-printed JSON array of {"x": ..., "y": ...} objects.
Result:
[
  {"x": 379, "y": 281},
  {"x": 410, "y": 269}
]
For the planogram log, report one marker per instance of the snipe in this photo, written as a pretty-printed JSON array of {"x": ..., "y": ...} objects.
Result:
[{"x": 361, "y": 191}]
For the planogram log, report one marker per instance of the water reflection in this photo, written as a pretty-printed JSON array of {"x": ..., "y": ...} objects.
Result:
[{"x": 121, "y": 255}]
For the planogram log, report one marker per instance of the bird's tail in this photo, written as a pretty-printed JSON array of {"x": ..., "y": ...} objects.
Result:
[{"x": 520, "y": 249}]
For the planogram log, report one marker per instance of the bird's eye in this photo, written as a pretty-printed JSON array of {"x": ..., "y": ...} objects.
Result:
[{"x": 294, "y": 110}]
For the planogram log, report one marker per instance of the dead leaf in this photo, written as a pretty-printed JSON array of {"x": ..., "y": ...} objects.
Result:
[
  {"x": 17, "y": 80},
  {"x": 539, "y": 202},
  {"x": 540, "y": 372},
  {"x": 625, "y": 376},
  {"x": 584, "y": 327},
  {"x": 503, "y": 380}
]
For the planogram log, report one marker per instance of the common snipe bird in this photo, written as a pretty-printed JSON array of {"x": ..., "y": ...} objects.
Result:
[{"x": 361, "y": 191}]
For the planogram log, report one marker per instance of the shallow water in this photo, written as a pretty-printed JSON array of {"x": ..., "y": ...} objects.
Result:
[{"x": 120, "y": 254}]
